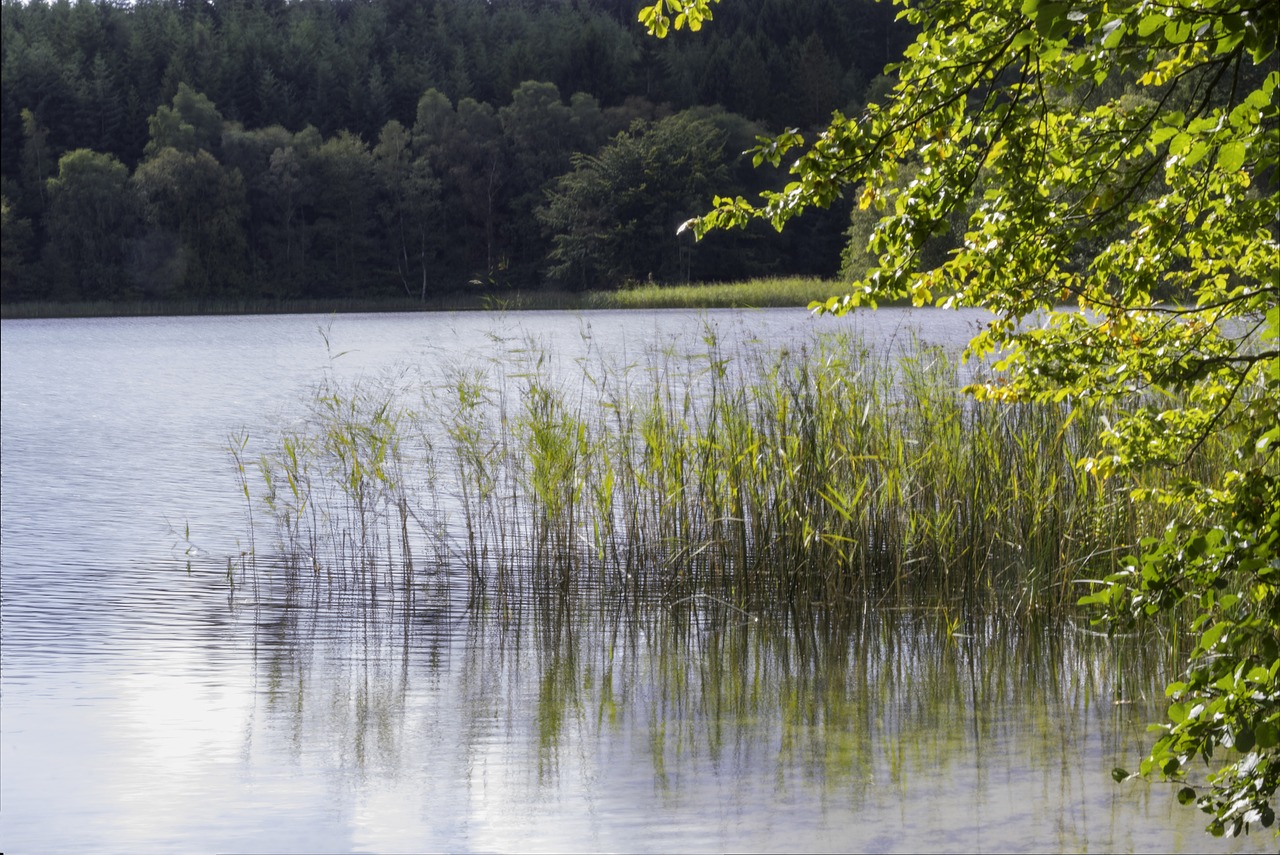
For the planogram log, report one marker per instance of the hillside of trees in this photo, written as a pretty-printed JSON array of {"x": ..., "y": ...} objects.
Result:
[{"x": 176, "y": 149}]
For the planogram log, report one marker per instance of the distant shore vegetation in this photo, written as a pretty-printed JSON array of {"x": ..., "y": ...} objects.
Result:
[
  {"x": 169, "y": 155},
  {"x": 748, "y": 294}
]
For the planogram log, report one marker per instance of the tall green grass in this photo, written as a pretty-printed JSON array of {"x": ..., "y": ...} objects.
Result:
[
  {"x": 754, "y": 293},
  {"x": 826, "y": 477}
]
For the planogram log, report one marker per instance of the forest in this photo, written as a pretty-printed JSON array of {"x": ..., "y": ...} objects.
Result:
[{"x": 336, "y": 149}]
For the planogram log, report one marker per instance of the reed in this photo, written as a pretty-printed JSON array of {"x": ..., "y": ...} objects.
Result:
[
  {"x": 753, "y": 293},
  {"x": 825, "y": 478}
]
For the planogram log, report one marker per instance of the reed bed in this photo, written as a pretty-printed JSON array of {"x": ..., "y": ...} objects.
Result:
[
  {"x": 827, "y": 477},
  {"x": 753, "y": 293}
]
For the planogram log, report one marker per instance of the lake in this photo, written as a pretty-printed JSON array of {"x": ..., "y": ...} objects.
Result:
[{"x": 149, "y": 706}]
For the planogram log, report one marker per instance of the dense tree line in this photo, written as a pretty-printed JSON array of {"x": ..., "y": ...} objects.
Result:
[{"x": 328, "y": 148}]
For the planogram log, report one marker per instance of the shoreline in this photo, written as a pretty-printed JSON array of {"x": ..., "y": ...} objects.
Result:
[{"x": 759, "y": 293}]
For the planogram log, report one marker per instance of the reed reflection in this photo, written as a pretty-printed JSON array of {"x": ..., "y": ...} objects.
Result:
[{"x": 852, "y": 703}]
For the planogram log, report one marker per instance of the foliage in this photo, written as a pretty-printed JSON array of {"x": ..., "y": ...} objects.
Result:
[
  {"x": 92, "y": 215},
  {"x": 191, "y": 124},
  {"x": 410, "y": 206},
  {"x": 1103, "y": 154},
  {"x": 193, "y": 212},
  {"x": 613, "y": 214},
  {"x": 15, "y": 238},
  {"x": 513, "y": 90}
]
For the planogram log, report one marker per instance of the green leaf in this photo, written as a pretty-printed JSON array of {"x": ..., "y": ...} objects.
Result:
[
  {"x": 1231, "y": 156},
  {"x": 1150, "y": 24},
  {"x": 1176, "y": 32},
  {"x": 1213, "y": 634},
  {"x": 1181, "y": 143},
  {"x": 1051, "y": 19},
  {"x": 1197, "y": 153},
  {"x": 1113, "y": 32}
]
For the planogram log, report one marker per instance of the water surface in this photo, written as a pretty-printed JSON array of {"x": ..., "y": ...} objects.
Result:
[{"x": 145, "y": 709}]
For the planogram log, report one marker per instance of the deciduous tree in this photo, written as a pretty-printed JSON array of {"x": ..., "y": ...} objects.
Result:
[
  {"x": 409, "y": 206},
  {"x": 613, "y": 217},
  {"x": 15, "y": 241},
  {"x": 342, "y": 223},
  {"x": 194, "y": 212},
  {"x": 1103, "y": 155},
  {"x": 92, "y": 216},
  {"x": 191, "y": 124}
]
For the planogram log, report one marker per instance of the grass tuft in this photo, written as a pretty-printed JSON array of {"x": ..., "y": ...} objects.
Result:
[{"x": 824, "y": 478}]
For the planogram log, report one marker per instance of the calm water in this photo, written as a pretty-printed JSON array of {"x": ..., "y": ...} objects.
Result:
[{"x": 143, "y": 709}]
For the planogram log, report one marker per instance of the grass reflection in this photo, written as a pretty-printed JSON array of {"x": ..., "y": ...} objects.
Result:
[{"x": 849, "y": 707}]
